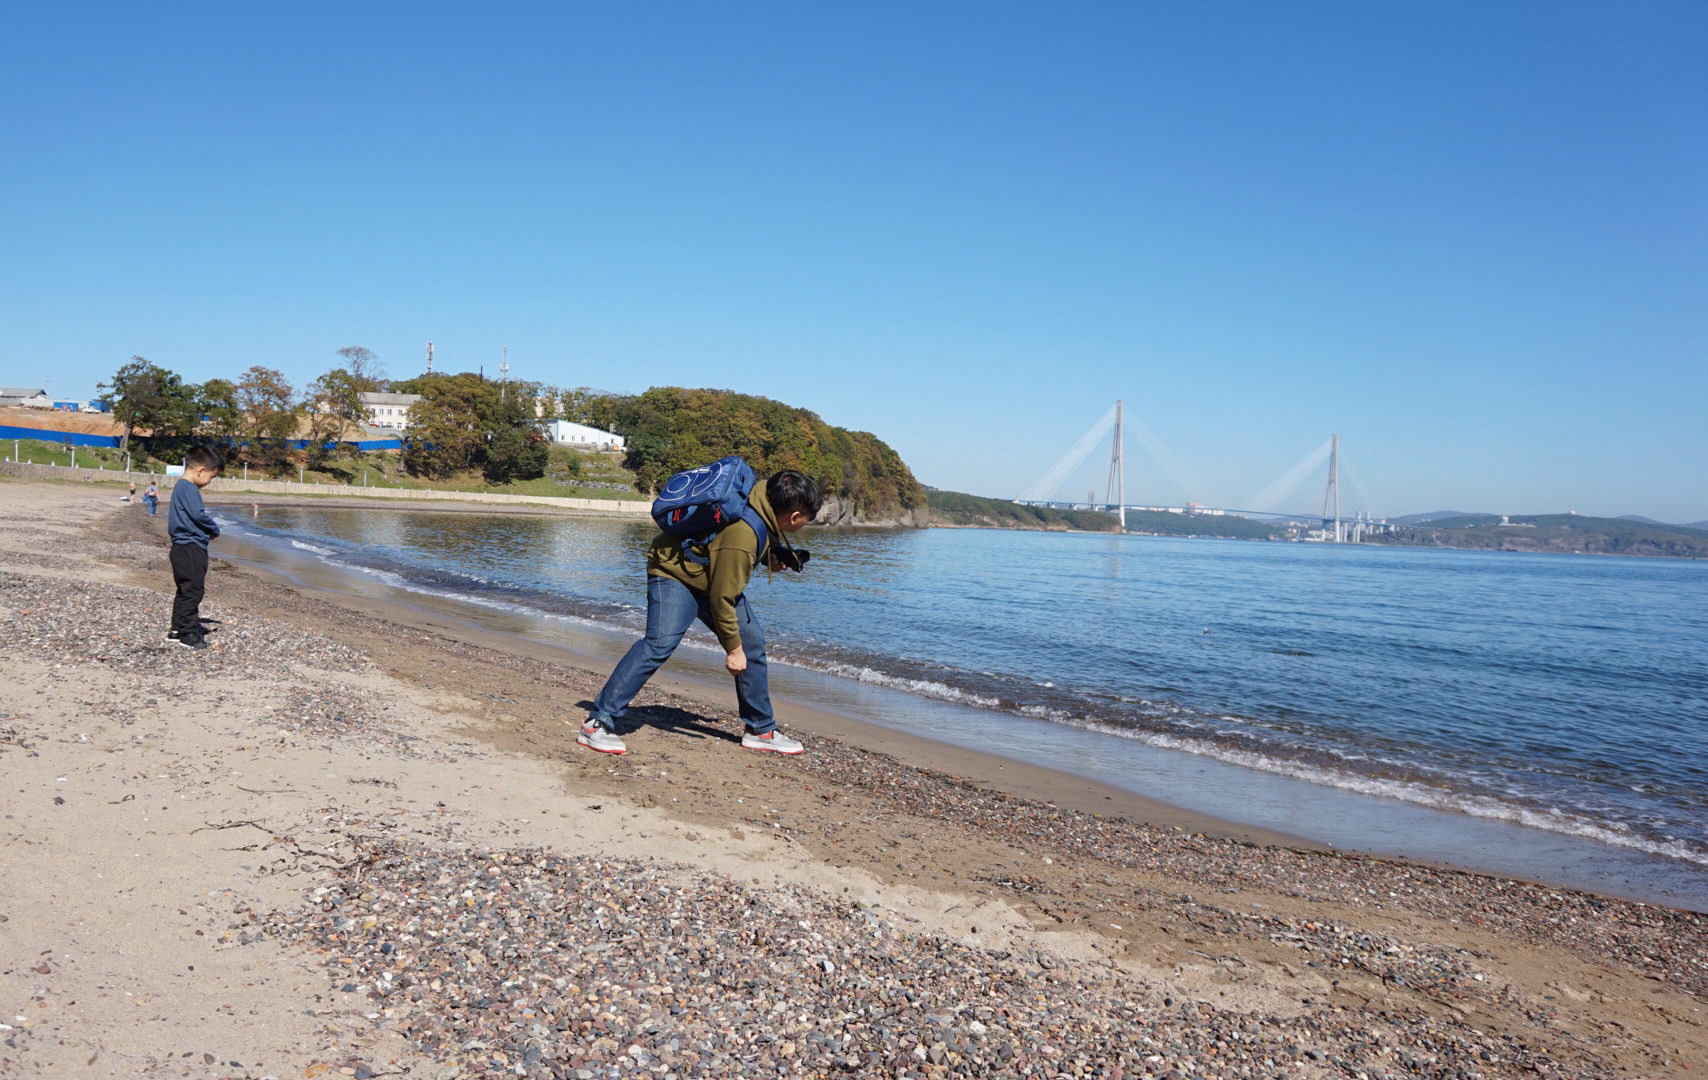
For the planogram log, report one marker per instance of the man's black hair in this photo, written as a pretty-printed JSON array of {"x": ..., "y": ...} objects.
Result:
[
  {"x": 789, "y": 491},
  {"x": 204, "y": 457}
]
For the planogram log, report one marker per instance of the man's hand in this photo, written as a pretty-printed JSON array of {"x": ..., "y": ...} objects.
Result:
[{"x": 736, "y": 662}]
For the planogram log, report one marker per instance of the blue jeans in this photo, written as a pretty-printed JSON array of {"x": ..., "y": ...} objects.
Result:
[{"x": 672, "y": 607}]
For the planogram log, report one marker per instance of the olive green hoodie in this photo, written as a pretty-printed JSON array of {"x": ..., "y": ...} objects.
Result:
[{"x": 733, "y": 552}]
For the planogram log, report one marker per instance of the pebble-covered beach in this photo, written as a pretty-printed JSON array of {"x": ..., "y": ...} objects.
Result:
[
  {"x": 528, "y": 963},
  {"x": 1084, "y": 945}
]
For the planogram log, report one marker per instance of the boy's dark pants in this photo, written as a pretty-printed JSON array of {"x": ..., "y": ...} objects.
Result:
[{"x": 190, "y": 573}]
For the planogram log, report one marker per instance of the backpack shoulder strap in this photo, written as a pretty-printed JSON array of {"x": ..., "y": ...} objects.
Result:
[
  {"x": 696, "y": 549},
  {"x": 760, "y": 533}
]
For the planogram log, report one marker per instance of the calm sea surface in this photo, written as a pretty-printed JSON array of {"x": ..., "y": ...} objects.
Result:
[{"x": 1560, "y": 701}]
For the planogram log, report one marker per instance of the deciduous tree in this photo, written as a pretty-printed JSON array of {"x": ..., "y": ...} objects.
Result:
[
  {"x": 147, "y": 396},
  {"x": 364, "y": 367},
  {"x": 270, "y": 413}
]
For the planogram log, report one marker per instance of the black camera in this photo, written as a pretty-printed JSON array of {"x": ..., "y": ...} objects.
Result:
[{"x": 792, "y": 558}]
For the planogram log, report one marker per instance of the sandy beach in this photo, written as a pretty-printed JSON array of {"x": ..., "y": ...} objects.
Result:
[{"x": 348, "y": 841}]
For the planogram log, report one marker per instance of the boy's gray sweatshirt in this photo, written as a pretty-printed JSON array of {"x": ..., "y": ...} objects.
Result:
[{"x": 187, "y": 521}]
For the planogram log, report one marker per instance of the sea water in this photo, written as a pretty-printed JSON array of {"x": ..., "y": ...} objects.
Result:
[{"x": 1536, "y": 715}]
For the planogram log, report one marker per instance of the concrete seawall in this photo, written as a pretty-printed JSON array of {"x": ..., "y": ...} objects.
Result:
[{"x": 231, "y": 485}]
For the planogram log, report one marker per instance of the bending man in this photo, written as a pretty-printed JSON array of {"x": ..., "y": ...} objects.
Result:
[{"x": 680, "y": 590}]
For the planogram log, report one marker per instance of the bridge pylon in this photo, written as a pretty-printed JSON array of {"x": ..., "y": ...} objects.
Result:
[
  {"x": 1331, "y": 494},
  {"x": 1117, "y": 491}
]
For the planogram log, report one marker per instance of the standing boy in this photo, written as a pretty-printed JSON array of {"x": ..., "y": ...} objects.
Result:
[
  {"x": 151, "y": 496},
  {"x": 679, "y": 589},
  {"x": 190, "y": 527}
]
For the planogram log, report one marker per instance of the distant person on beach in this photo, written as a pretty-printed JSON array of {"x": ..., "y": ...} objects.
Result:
[
  {"x": 190, "y": 527},
  {"x": 151, "y": 496},
  {"x": 680, "y": 589},
  {"x": 132, "y": 496}
]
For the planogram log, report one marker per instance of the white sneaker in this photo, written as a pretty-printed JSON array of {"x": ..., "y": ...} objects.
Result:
[
  {"x": 774, "y": 741},
  {"x": 597, "y": 737}
]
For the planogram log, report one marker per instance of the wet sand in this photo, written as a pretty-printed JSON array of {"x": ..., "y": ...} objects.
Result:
[{"x": 977, "y": 915}]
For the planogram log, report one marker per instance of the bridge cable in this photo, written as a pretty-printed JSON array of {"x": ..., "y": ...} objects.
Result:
[
  {"x": 1046, "y": 485},
  {"x": 1282, "y": 487}
]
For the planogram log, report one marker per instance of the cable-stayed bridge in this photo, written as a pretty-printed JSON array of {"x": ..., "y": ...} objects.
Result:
[{"x": 1336, "y": 527}]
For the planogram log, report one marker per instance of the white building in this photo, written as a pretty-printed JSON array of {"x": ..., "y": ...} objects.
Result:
[
  {"x": 389, "y": 410},
  {"x": 29, "y": 397},
  {"x": 569, "y": 433}
]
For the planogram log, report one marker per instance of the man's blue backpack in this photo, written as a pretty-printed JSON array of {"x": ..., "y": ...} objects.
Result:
[{"x": 697, "y": 504}]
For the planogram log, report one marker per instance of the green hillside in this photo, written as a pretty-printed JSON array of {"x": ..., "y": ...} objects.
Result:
[
  {"x": 669, "y": 429},
  {"x": 1562, "y": 533},
  {"x": 958, "y": 508},
  {"x": 976, "y": 511},
  {"x": 1161, "y": 523}
]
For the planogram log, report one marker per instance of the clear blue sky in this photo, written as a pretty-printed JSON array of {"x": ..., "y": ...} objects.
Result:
[{"x": 1469, "y": 238}]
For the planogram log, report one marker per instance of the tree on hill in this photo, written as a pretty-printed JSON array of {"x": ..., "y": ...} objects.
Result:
[
  {"x": 364, "y": 368},
  {"x": 333, "y": 402},
  {"x": 466, "y": 422},
  {"x": 149, "y": 397},
  {"x": 270, "y": 415},
  {"x": 221, "y": 415},
  {"x": 670, "y": 429},
  {"x": 582, "y": 405}
]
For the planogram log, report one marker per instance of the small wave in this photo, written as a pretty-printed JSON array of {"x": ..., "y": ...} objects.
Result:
[
  {"x": 924, "y": 687},
  {"x": 398, "y": 581},
  {"x": 315, "y": 548},
  {"x": 1552, "y": 819}
]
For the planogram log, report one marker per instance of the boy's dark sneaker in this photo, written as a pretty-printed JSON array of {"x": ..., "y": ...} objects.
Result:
[
  {"x": 171, "y": 635},
  {"x": 192, "y": 641}
]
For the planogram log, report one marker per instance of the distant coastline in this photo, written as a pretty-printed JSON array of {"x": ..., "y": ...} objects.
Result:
[{"x": 1559, "y": 534}]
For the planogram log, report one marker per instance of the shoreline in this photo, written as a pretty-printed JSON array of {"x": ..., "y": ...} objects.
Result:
[
  {"x": 320, "y": 774},
  {"x": 1384, "y": 834},
  {"x": 1017, "y": 778}
]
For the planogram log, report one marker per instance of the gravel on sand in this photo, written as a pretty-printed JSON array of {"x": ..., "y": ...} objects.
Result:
[{"x": 528, "y": 963}]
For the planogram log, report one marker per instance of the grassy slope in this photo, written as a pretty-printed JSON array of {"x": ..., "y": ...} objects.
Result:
[
  {"x": 52, "y": 453},
  {"x": 1557, "y": 533}
]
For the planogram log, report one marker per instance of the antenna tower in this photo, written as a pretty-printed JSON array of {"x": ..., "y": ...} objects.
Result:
[
  {"x": 504, "y": 365},
  {"x": 1331, "y": 495},
  {"x": 429, "y": 358},
  {"x": 1117, "y": 493}
]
